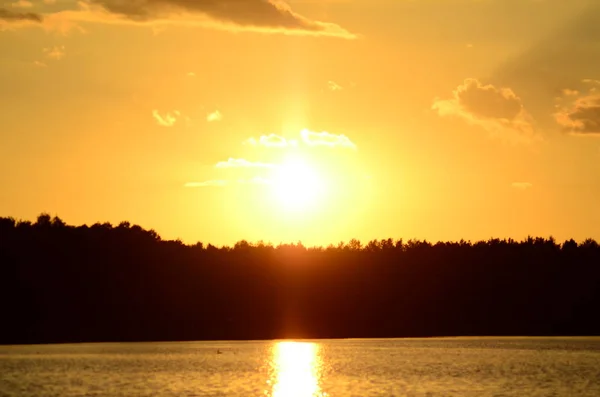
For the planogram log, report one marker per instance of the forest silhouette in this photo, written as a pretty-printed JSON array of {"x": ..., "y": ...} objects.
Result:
[{"x": 62, "y": 283}]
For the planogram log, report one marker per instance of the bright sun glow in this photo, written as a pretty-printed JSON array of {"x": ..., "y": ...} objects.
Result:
[{"x": 296, "y": 184}]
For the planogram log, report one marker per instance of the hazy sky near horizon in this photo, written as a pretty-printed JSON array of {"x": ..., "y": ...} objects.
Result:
[{"x": 311, "y": 120}]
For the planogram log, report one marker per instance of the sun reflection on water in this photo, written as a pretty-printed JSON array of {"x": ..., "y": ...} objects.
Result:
[{"x": 296, "y": 370}]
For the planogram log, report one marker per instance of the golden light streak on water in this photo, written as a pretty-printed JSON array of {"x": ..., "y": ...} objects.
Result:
[{"x": 297, "y": 370}]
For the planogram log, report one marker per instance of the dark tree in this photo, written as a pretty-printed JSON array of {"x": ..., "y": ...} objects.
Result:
[{"x": 61, "y": 283}]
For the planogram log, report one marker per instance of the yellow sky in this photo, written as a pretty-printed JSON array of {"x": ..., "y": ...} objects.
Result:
[{"x": 311, "y": 120}]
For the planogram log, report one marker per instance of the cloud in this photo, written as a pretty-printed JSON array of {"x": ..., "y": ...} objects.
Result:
[
  {"x": 166, "y": 120},
  {"x": 486, "y": 101},
  {"x": 582, "y": 117},
  {"x": 333, "y": 86},
  {"x": 581, "y": 114},
  {"x": 209, "y": 183},
  {"x": 257, "y": 180},
  {"x": 499, "y": 110},
  {"x": 271, "y": 140},
  {"x": 22, "y": 4},
  {"x": 521, "y": 185},
  {"x": 7, "y": 15},
  {"x": 308, "y": 138},
  {"x": 242, "y": 163},
  {"x": 326, "y": 139},
  {"x": 56, "y": 52},
  {"x": 268, "y": 16},
  {"x": 568, "y": 92},
  {"x": 251, "y": 13},
  {"x": 214, "y": 116},
  {"x": 591, "y": 81}
]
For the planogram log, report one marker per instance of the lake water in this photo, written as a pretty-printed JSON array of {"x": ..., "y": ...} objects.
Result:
[{"x": 369, "y": 367}]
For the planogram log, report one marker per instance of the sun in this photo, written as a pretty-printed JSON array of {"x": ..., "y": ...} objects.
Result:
[{"x": 296, "y": 184}]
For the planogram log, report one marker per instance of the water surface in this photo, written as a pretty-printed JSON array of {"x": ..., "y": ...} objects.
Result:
[{"x": 367, "y": 367}]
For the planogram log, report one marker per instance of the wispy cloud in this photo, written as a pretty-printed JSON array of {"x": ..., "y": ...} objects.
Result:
[
  {"x": 242, "y": 163},
  {"x": 56, "y": 52},
  {"x": 214, "y": 116},
  {"x": 308, "y": 137},
  {"x": 271, "y": 140},
  {"x": 326, "y": 139},
  {"x": 267, "y": 16},
  {"x": 333, "y": 86},
  {"x": 166, "y": 120},
  {"x": 591, "y": 81},
  {"x": 210, "y": 183},
  {"x": 521, "y": 185},
  {"x": 498, "y": 110},
  {"x": 258, "y": 173},
  {"x": 568, "y": 92}
]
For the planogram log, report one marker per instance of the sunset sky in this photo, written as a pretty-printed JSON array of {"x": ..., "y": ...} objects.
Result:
[{"x": 311, "y": 120}]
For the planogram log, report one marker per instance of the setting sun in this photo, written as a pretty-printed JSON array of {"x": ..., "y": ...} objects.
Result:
[{"x": 297, "y": 185}]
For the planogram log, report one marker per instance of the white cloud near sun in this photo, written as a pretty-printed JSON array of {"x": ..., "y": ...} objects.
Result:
[
  {"x": 326, "y": 139},
  {"x": 271, "y": 140},
  {"x": 257, "y": 180},
  {"x": 295, "y": 177},
  {"x": 242, "y": 163},
  {"x": 214, "y": 116},
  {"x": 167, "y": 119},
  {"x": 307, "y": 137},
  {"x": 333, "y": 86}
]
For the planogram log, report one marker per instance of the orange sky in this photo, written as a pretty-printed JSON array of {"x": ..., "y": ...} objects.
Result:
[{"x": 311, "y": 120}]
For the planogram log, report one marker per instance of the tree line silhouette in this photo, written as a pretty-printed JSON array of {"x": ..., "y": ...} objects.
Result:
[{"x": 62, "y": 283}]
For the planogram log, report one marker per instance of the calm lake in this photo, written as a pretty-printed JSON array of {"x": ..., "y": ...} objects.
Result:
[{"x": 359, "y": 367}]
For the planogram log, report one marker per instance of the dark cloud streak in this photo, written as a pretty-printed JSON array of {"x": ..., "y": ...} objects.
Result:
[
  {"x": 259, "y": 13},
  {"x": 11, "y": 16}
]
